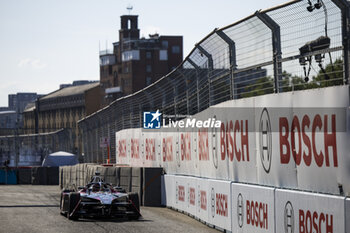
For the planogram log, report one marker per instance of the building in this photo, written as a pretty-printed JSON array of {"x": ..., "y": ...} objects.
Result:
[
  {"x": 11, "y": 116},
  {"x": 19, "y": 101},
  {"x": 62, "y": 109},
  {"x": 7, "y": 122},
  {"x": 137, "y": 62}
]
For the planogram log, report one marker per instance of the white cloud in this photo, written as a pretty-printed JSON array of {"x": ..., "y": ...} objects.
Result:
[{"x": 35, "y": 64}]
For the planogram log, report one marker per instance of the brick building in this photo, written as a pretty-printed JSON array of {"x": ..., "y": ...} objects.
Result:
[
  {"x": 137, "y": 62},
  {"x": 62, "y": 109}
]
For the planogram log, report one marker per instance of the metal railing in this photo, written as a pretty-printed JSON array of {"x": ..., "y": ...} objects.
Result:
[{"x": 296, "y": 46}]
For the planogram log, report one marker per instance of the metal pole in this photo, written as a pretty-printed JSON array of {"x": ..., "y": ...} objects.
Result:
[
  {"x": 196, "y": 67},
  {"x": 233, "y": 61},
  {"x": 344, "y": 6},
  {"x": 210, "y": 68},
  {"x": 276, "y": 45}
]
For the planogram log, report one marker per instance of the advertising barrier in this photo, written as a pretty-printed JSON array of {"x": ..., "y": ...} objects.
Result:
[
  {"x": 169, "y": 190},
  {"x": 220, "y": 204},
  {"x": 309, "y": 212},
  {"x": 203, "y": 199},
  {"x": 180, "y": 193},
  {"x": 293, "y": 140},
  {"x": 347, "y": 215},
  {"x": 253, "y": 208}
]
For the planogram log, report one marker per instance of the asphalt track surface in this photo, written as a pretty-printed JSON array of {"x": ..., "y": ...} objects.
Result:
[{"x": 29, "y": 208}]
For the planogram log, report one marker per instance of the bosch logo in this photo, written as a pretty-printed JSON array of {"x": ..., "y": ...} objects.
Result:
[
  {"x": 240, "y": 210},
  {"x": 265, "y": 140},
  {"x": 181, "y": 195},
  {"x": 214, "y": 145},
  {"x": 192, "y": 196},
  {"x": 288, "y": 218},
  {"x": 212, "y": 202}
]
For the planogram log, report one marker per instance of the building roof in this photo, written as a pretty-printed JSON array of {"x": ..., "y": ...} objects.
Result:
[
  {"x": 69, "y": 91},
  {"x": 7, "y": 112},
  {"x": 29, "y": 107}
]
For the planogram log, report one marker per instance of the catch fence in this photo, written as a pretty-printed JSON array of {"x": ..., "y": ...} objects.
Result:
[{"x": 296, "y": 46}]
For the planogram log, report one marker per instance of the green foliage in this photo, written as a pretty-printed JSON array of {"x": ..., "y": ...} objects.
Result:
[
  {"x": 262, "y": 86},
  {"x": 290, "y": 82},
  {"x": 333, "y": 72}
]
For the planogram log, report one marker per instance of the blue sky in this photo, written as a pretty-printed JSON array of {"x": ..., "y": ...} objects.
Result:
[{"x": 45, "y": 43}]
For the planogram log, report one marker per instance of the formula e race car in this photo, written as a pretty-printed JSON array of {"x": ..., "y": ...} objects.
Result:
[{"x": 99, "y": 199}]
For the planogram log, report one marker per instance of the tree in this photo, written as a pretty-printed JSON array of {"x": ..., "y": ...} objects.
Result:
[{"x": 262, "y": 86}]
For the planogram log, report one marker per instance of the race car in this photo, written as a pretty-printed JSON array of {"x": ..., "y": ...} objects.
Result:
[{"x": 99, "y": 199}]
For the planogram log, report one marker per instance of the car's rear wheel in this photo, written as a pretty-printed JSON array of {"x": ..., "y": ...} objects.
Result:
[
  {"x": 74, "y": 199},
  {"x": 135, "y": 202}
]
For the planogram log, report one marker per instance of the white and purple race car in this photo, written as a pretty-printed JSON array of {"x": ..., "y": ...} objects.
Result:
[{"x": 99, "y": 199}]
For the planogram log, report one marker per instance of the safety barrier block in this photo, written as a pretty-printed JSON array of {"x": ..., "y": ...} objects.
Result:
[
  {"x": 309, "y": 212},
  {"x": 151, "y": 186},
  {"x": 125, "y": 178},
  {"x": 253, "y": 208},
  {"x": 39, "y": 175},
  {"x": 168, "y": 191},
  {"x": 24, "y": 175},
  {"x": 347, "y": 214},
  {"x": 52, "y": 175},
  {"x": 220, "y": 204}
]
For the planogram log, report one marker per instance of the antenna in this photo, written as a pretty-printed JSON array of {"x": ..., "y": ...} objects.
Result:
[{"x": 129, "y": 8}]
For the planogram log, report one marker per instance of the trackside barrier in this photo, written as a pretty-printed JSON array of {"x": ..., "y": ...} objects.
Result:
[
  {"x": 8, "y": 176},
  {"x": 220, "y": 204},
  {"x": 297, "y": 140},
  {"x": 206, "y": 199},
  {"x": 309, "y": 212},
  {"x": 169, "y": 190},
  {"x": 347, "y": 214},
  {"x": 39, "y": 175},
  {"x": 125, "y": 178},
  {"x": 150, "y": 186},
  {"x": 24, "y": 175},
  {"x": 253, "y": 208}
]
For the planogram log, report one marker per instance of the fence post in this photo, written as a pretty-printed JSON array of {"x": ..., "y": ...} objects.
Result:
[
  {"x": 210, "y": 68},
  {"x": 196, "y": 67},
  {"x": 344, "y": 6},
  {"x": 233, "y": 61},
  {"x": 276, "y": 46},
  {"x": 186, "y": 86}
]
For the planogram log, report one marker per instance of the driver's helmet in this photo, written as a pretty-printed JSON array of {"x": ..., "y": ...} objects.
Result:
[{"x": 95, "y": 187}]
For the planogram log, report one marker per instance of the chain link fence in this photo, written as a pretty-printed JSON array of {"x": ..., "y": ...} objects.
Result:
[
  {"x": 31, "y": 149},
  {"x": 296, "y": 46}
]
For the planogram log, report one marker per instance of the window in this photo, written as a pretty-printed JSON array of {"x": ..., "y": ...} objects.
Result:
[
  {"x": 131, "y": 55},
  {"x": 148, "y": 55},
  {"x": 148, "y": 81},
  {"x": 163, "y": 55},
  {"x": 165, "y": 44},
  {"x": 175, "y": 49},
  {"x": 148, "y": 68}
]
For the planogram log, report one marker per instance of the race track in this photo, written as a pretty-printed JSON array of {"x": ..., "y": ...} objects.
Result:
[{"x": 27, "y": 208}]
